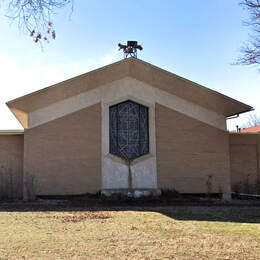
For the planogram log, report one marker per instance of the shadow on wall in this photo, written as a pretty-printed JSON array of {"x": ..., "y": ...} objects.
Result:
[
  {"x": 247, "y": 186},
  {"x": 10, "y": 184},
  {"x": 30, "y": 187}
]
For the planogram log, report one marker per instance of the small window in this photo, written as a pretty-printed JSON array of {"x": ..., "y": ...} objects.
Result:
[{"x": 128, "y": 130}]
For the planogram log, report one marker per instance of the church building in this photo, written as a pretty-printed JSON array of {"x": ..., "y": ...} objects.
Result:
[{"x": 129, "y": 127}]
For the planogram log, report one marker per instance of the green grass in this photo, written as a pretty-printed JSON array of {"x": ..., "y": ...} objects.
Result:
[{"x": 193, "y": 232}]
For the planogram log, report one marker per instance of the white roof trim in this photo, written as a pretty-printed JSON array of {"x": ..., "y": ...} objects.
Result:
[{"x": 12, "y": 132}]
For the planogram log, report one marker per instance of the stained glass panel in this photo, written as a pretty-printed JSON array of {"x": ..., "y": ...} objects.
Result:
[{"x": 129, "y": 137}]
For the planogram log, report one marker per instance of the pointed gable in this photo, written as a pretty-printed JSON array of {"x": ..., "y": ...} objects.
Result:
[{"x": 134, "y": 68}]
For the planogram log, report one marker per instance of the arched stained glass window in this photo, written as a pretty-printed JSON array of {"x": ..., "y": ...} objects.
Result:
[{"x": 128, "y": 130}]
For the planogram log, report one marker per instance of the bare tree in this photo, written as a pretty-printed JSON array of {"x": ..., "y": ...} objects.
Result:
[
  {"x": 251, "y": 49},
  {"x": 252, "y": 120},
  {"x": 35, "y": 16}
]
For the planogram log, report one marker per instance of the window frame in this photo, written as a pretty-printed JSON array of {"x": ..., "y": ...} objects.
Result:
[{"x": 139, "y": 130}]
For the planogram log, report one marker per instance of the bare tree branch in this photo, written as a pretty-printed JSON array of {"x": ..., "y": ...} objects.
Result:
[
  {"x": 35, "y": 16},
  {"x": 252, "y": 120},
  {"x": 251, "y": 49}
]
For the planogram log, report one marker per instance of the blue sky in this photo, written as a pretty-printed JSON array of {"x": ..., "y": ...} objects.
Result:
[{"x": 196, "y": 39}]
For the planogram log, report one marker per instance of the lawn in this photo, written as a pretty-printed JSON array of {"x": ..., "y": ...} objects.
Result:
[{"x": 180, "y": 232}]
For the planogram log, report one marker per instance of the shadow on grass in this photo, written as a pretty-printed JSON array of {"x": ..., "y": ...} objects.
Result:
[
  {"x": 178, "y": 208},
  {"x": 236, "y": 214}
]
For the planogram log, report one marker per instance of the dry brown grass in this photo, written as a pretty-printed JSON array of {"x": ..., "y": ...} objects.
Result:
[
  {"x": 82, "y": 216},
  {"x": 133, "y": 233}
]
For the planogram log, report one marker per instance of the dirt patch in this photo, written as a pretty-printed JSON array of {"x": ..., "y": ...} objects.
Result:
[{"x": 75, "y": 217}]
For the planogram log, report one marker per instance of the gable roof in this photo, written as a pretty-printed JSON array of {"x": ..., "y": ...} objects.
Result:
[{"x": 134, "y": 68}]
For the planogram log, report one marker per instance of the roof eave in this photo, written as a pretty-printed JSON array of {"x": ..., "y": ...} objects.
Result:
[{"x": 20, "y": 107}]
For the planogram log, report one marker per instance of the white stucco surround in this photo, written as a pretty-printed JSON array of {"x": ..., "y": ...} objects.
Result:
[
  {"x": 115, "y": 170},
  {"x": 155, "y": 95}
]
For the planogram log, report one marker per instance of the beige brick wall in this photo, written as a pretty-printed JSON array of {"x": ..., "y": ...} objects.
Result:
[
  {"x": 188, "y": 152},
  {"x": 11, "y": 165},
  {"x": 244, "y": 162},
  {"x": 64, "y": 155}
]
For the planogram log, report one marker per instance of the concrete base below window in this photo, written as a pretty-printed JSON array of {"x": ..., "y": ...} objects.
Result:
[{"x": 132, "y": 193}]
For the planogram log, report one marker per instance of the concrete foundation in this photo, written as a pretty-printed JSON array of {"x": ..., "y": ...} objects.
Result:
[{"x": 132, "y": 193}]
